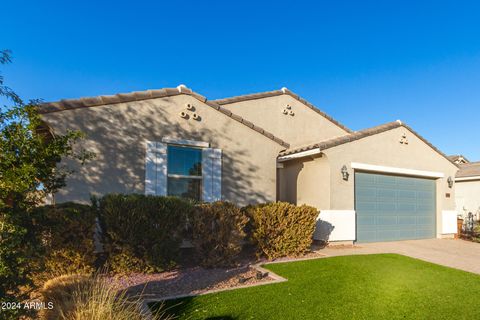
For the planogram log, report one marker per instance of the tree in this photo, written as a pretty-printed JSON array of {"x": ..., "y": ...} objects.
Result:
[{"x": 30, "y": 168}]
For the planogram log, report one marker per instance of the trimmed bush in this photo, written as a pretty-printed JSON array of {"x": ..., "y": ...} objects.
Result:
[
  {"x": 66, "y": 233},
  {"x": 142, "y": 233},
  {"x": 281, "y": 229},
  {"x": 218, "y": 233}
]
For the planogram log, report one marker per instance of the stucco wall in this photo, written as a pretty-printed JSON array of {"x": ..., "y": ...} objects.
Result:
[
  {"x": 467, "y": 196},
  {"x": 305, "y": 127},
  {"x": 306, "y": 181},
  {"x": 384, "y": 149},
  {"x": 117, "y": 134}
]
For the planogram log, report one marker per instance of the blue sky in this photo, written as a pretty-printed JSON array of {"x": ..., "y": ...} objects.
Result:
[{"x": 363, "y": 62}]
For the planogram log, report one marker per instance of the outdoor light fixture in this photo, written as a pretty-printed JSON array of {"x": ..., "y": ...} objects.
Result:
[
  {"x": 450, "y": 182},
  {"x": 345, "y": 173}
]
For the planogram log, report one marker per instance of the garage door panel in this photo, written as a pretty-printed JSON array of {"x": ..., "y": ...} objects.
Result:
[
  {"x": 385, "y": 221},
  {"x": 405, "y": 207},
  {"x": 407, "y": 220},
  {"x": 425, "y": 221},
  {"x": 406, "y": 195},
  {"x": 386, "y": 194},
  {"x": 394, "y": 208},
  {"x": 386, "y": 207}
]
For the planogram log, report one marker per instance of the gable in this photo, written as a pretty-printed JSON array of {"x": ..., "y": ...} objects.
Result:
[
  {"x": 117, "y": 133},
  {"x": 287, "y": 118},
  {"x": 397, "y": 147}
]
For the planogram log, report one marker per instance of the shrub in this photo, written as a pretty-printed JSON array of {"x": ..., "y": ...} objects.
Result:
[
  {"x": 218, "y": 233},
  {"x": 281, "y": 229},
  {"x": 66, "y": 232},
  {"x": 143, "y": 233},
  {"x": 77, "y": 297}
]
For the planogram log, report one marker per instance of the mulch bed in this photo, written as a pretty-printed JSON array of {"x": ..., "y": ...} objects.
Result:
[
  {"x": 195, "y": 280},
  {"x": 189, "y": 281}
]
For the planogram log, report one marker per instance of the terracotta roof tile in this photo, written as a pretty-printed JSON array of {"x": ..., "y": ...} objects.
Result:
[
  {"x": 471, "y": 169},
  {"x": 88, "y": 102},
  {"x": 330, "y": 143}
]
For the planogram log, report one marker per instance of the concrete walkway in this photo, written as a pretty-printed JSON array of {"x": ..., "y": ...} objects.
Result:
[{"x": 459, "y": 254}]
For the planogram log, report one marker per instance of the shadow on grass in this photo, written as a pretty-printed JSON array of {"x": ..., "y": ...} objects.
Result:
[{"x": 183, "y": 309}]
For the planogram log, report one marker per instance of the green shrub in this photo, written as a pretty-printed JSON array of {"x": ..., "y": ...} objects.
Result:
[
  {"x": 66, "y": 232},
  {"x": 125, "y": 261},
  {"x": 281, "y": 229},
  {"x": 218, "y": 233},
  {"x": 142, "y": 233}
]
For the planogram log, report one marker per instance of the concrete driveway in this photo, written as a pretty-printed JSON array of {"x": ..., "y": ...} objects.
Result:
[{"x": 459, "y": 254}]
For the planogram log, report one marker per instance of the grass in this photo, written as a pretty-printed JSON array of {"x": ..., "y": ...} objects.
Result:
[{"x": 384, "y": 286}]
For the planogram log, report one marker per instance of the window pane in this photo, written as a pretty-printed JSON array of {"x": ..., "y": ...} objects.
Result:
[
  {"x": 184, "y": 187},
  {"x": 184, "y": 161}
]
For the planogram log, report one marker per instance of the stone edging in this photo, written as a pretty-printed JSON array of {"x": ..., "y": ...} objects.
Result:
[{"x": 276, "y": 279}]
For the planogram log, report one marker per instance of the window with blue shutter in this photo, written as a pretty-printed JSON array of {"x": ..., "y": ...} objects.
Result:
[{"x": 183, "y": 171}]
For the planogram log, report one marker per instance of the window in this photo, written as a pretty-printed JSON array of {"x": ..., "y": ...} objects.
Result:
[{"x": 184, "y": 172}]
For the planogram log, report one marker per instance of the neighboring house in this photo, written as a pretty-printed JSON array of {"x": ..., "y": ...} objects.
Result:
[
  {"x": 383, "y": 183},
  {"x": 467, "y": 184},
  {"x": 458, "y": 159}
]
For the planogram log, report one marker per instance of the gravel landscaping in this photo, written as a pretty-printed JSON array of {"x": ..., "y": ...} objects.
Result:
[{"x": 189, "y": 281}]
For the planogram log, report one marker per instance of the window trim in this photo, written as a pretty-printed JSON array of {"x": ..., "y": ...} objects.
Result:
[{"x": 185, "y": 142}]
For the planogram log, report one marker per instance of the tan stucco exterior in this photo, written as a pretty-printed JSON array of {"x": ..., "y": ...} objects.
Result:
[
  {"x": 251, "y": 139},
  {"x": 117, "y": 133},
  {"x": 468, "y": 197},
  {"x": 304, "y": 127},
  {"x": 383, "y": 149}
]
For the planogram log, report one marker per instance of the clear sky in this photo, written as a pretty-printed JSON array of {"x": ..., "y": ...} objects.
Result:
[{"x": 362, "y": 62}]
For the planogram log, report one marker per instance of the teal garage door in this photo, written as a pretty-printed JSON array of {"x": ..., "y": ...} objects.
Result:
[{"x": 392, "y": 208}]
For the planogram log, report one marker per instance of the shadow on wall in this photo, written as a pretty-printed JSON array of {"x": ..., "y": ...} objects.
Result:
[
  {"x": 117, "y": 135},
  {"x": 323, "y": 230},
  {"x": 289, "y": 181}
]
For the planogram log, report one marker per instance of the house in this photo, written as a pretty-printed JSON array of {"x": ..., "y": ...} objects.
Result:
[
  {"x": 467, "y": 183},
  {"x": 458, "y": 159},
  {"x": 379, "y": 184}
]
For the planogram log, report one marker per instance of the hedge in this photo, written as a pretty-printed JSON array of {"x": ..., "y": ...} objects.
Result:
[
  {"x": 142, "y": 233},
  {"x": 218, "y": 233},
  {"x": 281, "y": 229},
  {"x": 66, "y": 233}
]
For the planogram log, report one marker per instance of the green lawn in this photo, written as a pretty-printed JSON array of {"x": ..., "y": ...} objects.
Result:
[{"x": 384, "y": 286}]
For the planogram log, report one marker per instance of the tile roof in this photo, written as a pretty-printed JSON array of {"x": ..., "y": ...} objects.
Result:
[
  {"x": 88, "y": 102},
  {"x": 458, "y": 157},
  {"x": 471, "y": 169},
  {"x": 357, "y": 135},
  {"x": 280, "y": 92}
]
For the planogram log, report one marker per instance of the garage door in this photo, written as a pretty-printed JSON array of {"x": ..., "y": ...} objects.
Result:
[{"x": 394, "y": 208}]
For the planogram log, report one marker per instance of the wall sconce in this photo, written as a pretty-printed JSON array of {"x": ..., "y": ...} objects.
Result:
[
  {"x": 450, "y": 182},
  {"x": 345, "y": 173}
]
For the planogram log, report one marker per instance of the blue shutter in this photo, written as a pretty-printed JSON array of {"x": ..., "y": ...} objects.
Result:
[
  {"x": 156, "y": 168},
  {"x": 212, "y": 174},
  {"x": 161, "y": 184},
  {"x": 150, "y": 167}
]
